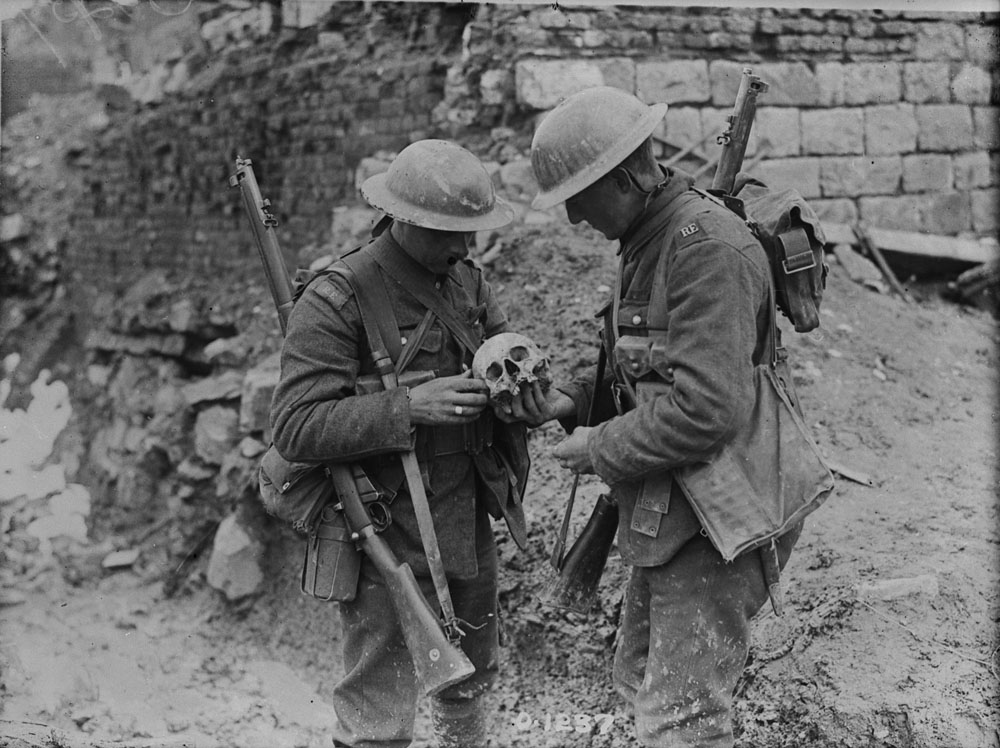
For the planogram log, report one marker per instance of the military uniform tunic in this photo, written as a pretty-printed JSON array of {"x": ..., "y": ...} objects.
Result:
[
  {"x": 695, "y": 279},
  {"x": 317, "y": 416}
]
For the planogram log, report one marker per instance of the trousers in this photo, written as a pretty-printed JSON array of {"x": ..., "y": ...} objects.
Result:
[
  {"x": 684, "y": 640},
  {"x": 377, "y": 698}
]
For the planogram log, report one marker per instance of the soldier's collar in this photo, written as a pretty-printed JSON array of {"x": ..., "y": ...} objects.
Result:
[
  {"x": 389, "y": 251},
  {"x": 654, "y": 216}
]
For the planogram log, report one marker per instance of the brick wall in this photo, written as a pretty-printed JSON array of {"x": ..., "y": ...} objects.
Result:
[
  {"x": 888, "y": 117},
  {"x": 305, "y": 107}
]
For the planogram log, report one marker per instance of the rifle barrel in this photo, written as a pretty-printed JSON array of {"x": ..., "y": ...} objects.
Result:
[{"x": 262, "y": 223}]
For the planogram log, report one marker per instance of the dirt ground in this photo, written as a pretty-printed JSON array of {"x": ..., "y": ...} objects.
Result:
[{"x": 889, "y": 637}]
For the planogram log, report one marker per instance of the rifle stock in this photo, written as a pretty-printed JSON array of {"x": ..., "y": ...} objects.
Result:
[
  {"x": 581, "y": 570},
  {"x": 436, "y": 661}
]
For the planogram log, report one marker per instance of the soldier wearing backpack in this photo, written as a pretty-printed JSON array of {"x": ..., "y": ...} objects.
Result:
[
  {"x": 688, "y": 323},
  {"x": 437, "y": 195}
]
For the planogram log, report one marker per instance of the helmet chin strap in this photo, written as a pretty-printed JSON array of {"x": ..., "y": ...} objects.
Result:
[{"x": 649, "y": 193}]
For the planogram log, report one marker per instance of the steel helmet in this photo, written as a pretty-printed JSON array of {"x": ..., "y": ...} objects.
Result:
[
  {"x": 438, "y": 185},
  {"x": 584, "y": 137}
]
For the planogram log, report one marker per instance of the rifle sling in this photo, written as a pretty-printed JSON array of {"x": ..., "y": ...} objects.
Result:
[{"x": 370, "y": 292}]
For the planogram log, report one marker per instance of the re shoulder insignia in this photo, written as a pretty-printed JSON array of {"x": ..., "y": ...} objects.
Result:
[
  {"x": 332, "y": 287},
  {"x": 690, "y": 233}
]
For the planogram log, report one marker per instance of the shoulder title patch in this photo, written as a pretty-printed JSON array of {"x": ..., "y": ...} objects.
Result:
[
  {"x": 690, "y": 229},
  {"x": 333, "y": 290}
]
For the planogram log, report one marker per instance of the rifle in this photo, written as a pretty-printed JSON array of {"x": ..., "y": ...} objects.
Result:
[
  {"x": 581, "y": 568},
  {"x": 437, "y": 662},
  {"x": 734, "y": 146},
  {"x": 737, "y": 133},
  {"x": 579, "y": 571}
]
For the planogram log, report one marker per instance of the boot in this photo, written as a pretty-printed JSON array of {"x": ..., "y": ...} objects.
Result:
[{"x": 459, "y": 723}]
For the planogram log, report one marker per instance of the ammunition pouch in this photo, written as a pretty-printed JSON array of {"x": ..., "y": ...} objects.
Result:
[{"x": 332, "y": 562}]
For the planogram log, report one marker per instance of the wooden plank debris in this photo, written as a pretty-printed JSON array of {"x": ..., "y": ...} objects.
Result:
[
  {"x": 871, "y": 249},
  {"x": 914, "y": 243}
]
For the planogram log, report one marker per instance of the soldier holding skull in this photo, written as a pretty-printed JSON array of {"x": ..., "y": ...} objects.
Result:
[{"x": 435, "y": 195}]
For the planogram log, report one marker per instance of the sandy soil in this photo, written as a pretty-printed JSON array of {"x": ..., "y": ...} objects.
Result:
[{"x": 889, "y": 639}]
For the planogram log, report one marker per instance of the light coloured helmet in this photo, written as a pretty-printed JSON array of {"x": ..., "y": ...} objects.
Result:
[
  {"x": 584, "y": 137},
  {"x": 438, "y": 185}
]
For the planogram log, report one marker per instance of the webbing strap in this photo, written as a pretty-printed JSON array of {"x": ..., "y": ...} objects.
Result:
[
  {"x": 436, "y": 303},
  {"x": 366, "y": 278},
  {"x": 373, "y": 303}
]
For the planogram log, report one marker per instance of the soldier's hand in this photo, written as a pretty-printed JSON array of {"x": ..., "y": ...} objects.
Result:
[
  {"x": 572, "y": 452},
  {"x": 448, "y": 400},
  {"x": 534, "y": 407}
]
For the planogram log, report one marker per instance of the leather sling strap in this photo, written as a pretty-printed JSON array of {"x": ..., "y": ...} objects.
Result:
[
  {"x": 373, "y": 302},
  {"x": 436, "y": 303}
]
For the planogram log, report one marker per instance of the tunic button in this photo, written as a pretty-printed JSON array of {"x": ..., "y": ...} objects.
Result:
[
  {"x": 437, "y": 285},
  {"x": 403, "y": 340},
  {"x": 636, "y": 319}
]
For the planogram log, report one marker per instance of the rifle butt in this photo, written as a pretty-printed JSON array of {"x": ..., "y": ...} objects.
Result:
[
  {"x": 437, "y": 662},
  {"x": 576, "y": 586}
]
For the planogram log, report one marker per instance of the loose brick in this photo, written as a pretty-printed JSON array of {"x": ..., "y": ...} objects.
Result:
[
  {"x": 926, "y": 82},
  {"x": 890, "y": 129},
  {"x": 860, "y": 175},
  {"x": 927, "y": 172},
  {"x": 944, "y": 127},
  {"x": 984, "y": 210},
  {"x": 972, "y": 170},
  {"x": 681, "y": 81},
  {"x": 971, "y": 85},
  {"x": 801, "y": 174},
  {"x": 833, "y": 131},
  {"x": 986, "y": 127},
  {"x": 872, "y": 83}
]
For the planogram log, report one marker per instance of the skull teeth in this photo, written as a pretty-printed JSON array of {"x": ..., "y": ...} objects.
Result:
[{"x": 509, "y": 362}]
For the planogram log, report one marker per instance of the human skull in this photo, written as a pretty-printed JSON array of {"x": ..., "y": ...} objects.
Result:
[{"x": 508, "y": 362}]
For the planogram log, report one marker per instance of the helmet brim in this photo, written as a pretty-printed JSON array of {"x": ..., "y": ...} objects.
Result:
[
  {"x": 377, "y": 194},
  {"x": 630, "y": 140}
]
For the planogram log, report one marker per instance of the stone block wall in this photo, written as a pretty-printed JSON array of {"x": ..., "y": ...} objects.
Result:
[{"x": 886, "y": 117}]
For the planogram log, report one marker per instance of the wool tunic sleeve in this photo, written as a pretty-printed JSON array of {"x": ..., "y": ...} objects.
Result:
[
  {"x": 715, "y": 293},
  {"x": 315, "y": 415}
]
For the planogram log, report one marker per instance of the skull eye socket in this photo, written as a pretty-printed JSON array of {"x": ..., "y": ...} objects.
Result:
[
  {"x": 518, "y": 353},
  {"x": 494, "y": 371}
]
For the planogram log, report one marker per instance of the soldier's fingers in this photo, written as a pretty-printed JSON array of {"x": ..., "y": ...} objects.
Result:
[
  {"x": 463, "y": 383},
  {"x": 470, "y": 399}
]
